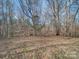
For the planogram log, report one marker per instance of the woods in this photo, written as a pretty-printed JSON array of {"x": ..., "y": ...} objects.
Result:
[
  {"x": 6, "y": 18},
  {"x": 57, "y": 17}
]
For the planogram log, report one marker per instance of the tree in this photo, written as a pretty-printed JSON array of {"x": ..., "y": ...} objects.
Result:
[
  {"x": 55, "y": 7},
  {"x": 3, "y": 20},
  {"x": 10, "y": 15},
  {"x": 31, "y": 9}
]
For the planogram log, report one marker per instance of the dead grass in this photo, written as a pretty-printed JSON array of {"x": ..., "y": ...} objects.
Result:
[{"x": 54, "y": 47}]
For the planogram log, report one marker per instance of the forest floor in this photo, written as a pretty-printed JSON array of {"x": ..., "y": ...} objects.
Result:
[{"x": 28, "y": 44}]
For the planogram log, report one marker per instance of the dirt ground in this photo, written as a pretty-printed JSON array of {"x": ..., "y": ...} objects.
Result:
[{"x": 19, "y": 43}]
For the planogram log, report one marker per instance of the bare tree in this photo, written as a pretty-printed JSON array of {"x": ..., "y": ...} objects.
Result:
[
  {"x": 55, "y": 7},
  {"x": 30, "y": 9}
]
